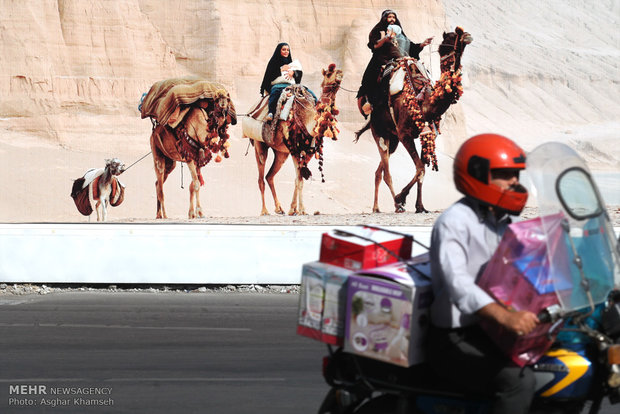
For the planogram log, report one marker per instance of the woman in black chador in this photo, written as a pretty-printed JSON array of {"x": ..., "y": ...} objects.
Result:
[{"x": 280, "y": 73}]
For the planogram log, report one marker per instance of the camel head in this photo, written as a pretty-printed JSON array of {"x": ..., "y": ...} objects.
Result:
[
  {"x": 451, "y": 48},
  {"x": 332, "y": 78},
  {"x": 115, "y": 166},
  {"x": 220, "y": 107}
]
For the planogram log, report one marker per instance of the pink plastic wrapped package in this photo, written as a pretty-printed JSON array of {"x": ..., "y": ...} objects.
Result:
[{"x": 518, "y": 277}]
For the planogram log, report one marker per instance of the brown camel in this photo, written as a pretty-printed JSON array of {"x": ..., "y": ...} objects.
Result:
[
  {"x": 414, "y": 110},
  {"x": 301, "y": 134},
  {"x": 193, "y": 129}
]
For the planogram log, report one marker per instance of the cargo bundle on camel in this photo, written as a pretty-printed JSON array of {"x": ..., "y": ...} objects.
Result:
[
  {"x": 190, "y": 119},
  {"x": 298, "y": 128}
]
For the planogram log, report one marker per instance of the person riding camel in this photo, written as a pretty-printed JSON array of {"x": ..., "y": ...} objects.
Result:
[
  {"x": 387, "y": 41},
  {"x": 281, "y": 72}
]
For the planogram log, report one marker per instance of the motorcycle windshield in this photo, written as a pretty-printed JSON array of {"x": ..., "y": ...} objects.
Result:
[{"x": 582, "y": 252}]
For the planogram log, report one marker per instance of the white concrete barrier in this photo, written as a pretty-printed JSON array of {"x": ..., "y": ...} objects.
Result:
[{"x": 162, "y": 253}]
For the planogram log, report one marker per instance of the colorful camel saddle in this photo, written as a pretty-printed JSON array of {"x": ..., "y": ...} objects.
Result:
[
  {"x": 396, "y": 73},
  {"x": 254, "y": 125}
]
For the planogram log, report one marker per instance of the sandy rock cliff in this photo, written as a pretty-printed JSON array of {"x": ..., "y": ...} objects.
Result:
[
  {"x": 100, "y": 56},
  {"x": 553, "y": 63},
  {"x": 73, "y": 72}
]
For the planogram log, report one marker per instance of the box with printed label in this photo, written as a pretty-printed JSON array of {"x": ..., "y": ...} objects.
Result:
[
  {"x": 334, "y": 305},
  {"x": 322, "y": 300},
  {"x": 387, "y": 312},
  {"x": 364, "y": 248}
]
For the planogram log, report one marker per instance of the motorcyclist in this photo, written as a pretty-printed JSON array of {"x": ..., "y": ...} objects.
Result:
[{"x": 463, "y": 239}]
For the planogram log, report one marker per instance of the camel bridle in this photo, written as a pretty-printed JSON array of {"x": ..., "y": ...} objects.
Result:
[
  {"x": 454, "y": 46},
  {"x": 329, "y": 92}
]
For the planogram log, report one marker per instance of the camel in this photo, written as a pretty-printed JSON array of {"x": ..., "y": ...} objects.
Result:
[
  {"x": 306, "y": 123},
  {"x": 190, "y": 123},
  {"x": 99, "y": 187},
  {"x": 413, "y": 109}
]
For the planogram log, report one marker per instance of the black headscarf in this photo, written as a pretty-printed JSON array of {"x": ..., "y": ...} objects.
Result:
[
  {"x": 273, "y": 67},
  {"x": 375, "y": 34}
]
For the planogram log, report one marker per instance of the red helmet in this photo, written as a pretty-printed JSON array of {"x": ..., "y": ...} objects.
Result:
[{"x": 473, "y": 163}]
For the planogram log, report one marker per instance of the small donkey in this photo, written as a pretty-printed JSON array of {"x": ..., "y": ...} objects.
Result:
[{"x": 99, "y": 187}]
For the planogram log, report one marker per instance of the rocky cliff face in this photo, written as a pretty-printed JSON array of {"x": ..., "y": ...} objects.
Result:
[
  {"x": 548, "y": 67},
  {"x": 99, "y": 56},
  {"x": 72, "y": 73},
  {"x": 61, "y": 56}
]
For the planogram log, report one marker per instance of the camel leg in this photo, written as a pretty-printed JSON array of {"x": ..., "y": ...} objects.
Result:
[
  {"x": 194, "y": 192},
  {"x": 163, "y": 168},
  {"x": 378, "y": 178},
  {"x": 97, "y": 208},
  {"x": 104, "y": 196},
  {"x": 161, "y": 172},
  {"x": 279, "y": 159},
  {"x": 104, "y": 210},
  {"x": 418, "y": 178},
  {"x": 384, "y": 166},
  {"x": 297, "y": 204},
  {"x": 302, "y": 208},
  {"x": 293, "y": 211},
  {"x": 260, "y": 151}
]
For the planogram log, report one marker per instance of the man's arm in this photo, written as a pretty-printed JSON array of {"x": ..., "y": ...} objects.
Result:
[
  {"x": 416, "y": 48},
  {"x": 519, "y": 322},
  {"x": 385, "y": 37}
]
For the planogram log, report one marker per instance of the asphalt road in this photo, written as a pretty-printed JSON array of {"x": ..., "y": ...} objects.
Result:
[{"x": 157, "y": 353}]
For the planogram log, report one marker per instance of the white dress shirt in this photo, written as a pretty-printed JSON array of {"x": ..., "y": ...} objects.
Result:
[{"x": 462, "y": 241}]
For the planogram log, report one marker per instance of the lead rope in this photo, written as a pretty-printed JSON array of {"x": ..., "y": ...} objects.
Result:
[{"x": 143, "y": 157}]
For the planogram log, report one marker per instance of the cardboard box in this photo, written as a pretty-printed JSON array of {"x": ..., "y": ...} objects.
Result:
[
  {"x": 361, "y": 248},
  {"x": 322, "y": 300},
  {"x": 387, "y": 312},
  {"x": 334, "y": 309},
  {"x": 311, "y": 294}
]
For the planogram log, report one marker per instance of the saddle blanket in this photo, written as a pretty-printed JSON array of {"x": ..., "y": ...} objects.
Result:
[{"x": 397, "y": 80}]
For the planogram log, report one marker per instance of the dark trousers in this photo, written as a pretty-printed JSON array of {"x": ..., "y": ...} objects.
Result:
[
  {"x": 468, "y": 360},
  {"x": 274, "y": 96}
]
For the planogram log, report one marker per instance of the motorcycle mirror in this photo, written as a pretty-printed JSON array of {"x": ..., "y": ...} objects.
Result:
[{"x": 578, "y": 195}]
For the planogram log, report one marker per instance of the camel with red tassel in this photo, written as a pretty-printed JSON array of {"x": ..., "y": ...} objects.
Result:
[
  {"x": 413, "y": 108},
  {"x": 190, "y": 119},
  {"x": 300, "y": 124}
]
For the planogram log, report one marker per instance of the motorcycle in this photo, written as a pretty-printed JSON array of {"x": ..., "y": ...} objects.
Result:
[{"x": 581, "y": 368}]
